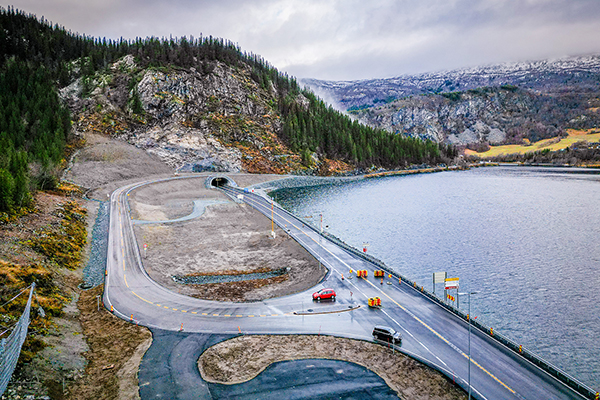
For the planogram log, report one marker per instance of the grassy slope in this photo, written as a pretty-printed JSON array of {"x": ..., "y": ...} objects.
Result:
[{"x": 553, "y": 144}]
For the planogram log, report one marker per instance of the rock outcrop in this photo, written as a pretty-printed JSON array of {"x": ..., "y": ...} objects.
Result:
[
  {"x": 213, "y": 119},
  {"x": 499, "y": 115}
]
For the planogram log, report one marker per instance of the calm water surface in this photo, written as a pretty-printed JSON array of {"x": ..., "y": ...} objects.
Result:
[{"x": 525, "y": 238}]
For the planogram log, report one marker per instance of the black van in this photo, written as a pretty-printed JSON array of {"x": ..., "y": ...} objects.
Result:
[{"x": 387, "y": 334}]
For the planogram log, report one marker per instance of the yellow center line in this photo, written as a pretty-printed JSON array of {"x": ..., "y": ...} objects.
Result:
[
  {"x": 440, "y": 336},
  {"x": 215, "y": 315},
  {"x": 395, "y": 302},
  {"x": 140, "y": 297},
  {"x": 183, "y": 311}
]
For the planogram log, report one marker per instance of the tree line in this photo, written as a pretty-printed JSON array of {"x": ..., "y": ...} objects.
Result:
[{"x": 323, "y": 130}]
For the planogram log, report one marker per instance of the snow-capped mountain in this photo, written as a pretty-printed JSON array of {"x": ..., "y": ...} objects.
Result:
[{"x": 546, "y": 75}]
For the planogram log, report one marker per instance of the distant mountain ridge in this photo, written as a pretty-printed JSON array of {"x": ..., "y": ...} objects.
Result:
[
  {"x": 544, "y": 75},
  {"x": 516, "y": 103}
]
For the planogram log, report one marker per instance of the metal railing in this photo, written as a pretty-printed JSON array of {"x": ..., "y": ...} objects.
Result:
[
  {"x": 554, "y": 371},
  {"x": 10, "y": 347},
  {"x": 551, "y": 369}
]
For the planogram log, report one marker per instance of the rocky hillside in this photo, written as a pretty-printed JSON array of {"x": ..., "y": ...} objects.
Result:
[
  {"x": 192, "y": 119},
  {"x": 492, "y": 115},
  {"x": 496, "y": 104}
]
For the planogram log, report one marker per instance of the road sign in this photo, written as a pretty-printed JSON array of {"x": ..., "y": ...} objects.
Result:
[
  {"x": 439, "y": 277},
  {"x": 451, "y": 283}
]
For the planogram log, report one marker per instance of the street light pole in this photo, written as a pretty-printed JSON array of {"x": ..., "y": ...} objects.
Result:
[{"x": 469, "y": 322}]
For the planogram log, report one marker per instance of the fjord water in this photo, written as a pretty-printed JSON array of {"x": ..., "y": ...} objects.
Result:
[{"x": 526, "y": 239}]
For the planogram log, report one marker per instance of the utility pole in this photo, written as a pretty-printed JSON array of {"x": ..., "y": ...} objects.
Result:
[
  {"x": 272, "y": 222},
  {"x": 469, "y": 322}
]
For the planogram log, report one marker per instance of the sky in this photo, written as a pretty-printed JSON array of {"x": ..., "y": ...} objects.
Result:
[{"x": 350, "y": 39}]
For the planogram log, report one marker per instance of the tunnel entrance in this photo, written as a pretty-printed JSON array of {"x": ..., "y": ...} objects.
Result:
[{"x": 219, "y": 182}]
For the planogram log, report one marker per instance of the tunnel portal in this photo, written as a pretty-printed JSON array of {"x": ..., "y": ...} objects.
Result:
[{"x": 219, "y": 182}]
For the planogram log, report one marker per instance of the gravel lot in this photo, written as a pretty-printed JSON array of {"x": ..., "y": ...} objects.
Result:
[{"x": 229, "y": 237}]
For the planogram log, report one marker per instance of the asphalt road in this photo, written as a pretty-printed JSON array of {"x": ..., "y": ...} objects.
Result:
[
  {"x": 169, "y": 370},
  {"x": 430, "y": 332}
]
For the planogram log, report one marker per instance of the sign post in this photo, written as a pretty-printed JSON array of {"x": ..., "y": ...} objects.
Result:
[{"x": 451, "y": 283}]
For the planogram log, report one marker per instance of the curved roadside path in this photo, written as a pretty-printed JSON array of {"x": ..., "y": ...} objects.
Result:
[{"x": 430, "y": 332}]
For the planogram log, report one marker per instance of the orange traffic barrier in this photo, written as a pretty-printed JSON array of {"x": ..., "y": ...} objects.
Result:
[
  {"x": 374, "y": 301},
  {"x": 492, "y": 331},
  {"x": 131, "y": 318},
  {"x": 520, "y": 348},
  {"x": 112, "y": 309},
  {"x": 181, "y": 328}
]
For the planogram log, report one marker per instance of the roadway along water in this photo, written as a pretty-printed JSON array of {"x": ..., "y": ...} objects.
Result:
[{"x": 525, "y": 238}]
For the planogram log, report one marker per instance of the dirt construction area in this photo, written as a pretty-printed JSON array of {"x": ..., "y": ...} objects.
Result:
[{"x": 228, "y": 238}]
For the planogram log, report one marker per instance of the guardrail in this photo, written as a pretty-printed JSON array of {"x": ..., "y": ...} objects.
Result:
[
  {"x": 554, "y": 371},
  {"x": 562, "y": 376}
]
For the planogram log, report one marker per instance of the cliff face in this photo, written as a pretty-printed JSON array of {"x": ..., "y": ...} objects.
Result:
[
  {"x": 213, "y": 119},
  {"x": 489, "y": 115}
]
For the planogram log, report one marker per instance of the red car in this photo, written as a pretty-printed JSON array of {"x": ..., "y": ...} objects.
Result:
[{"x": 324, "y": 294}]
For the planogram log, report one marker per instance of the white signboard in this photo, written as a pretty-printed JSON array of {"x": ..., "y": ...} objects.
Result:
[
  {"x": 439, "y": 277},
  {"x": 240, "y": 196},
  {"x": 451, "y": 283}
]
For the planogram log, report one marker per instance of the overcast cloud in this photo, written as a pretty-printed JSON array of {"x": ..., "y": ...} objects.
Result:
[{"x": 350, "y": 39}]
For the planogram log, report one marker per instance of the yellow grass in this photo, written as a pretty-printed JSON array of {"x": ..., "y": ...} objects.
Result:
[{"x": 554, "y": 144}]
